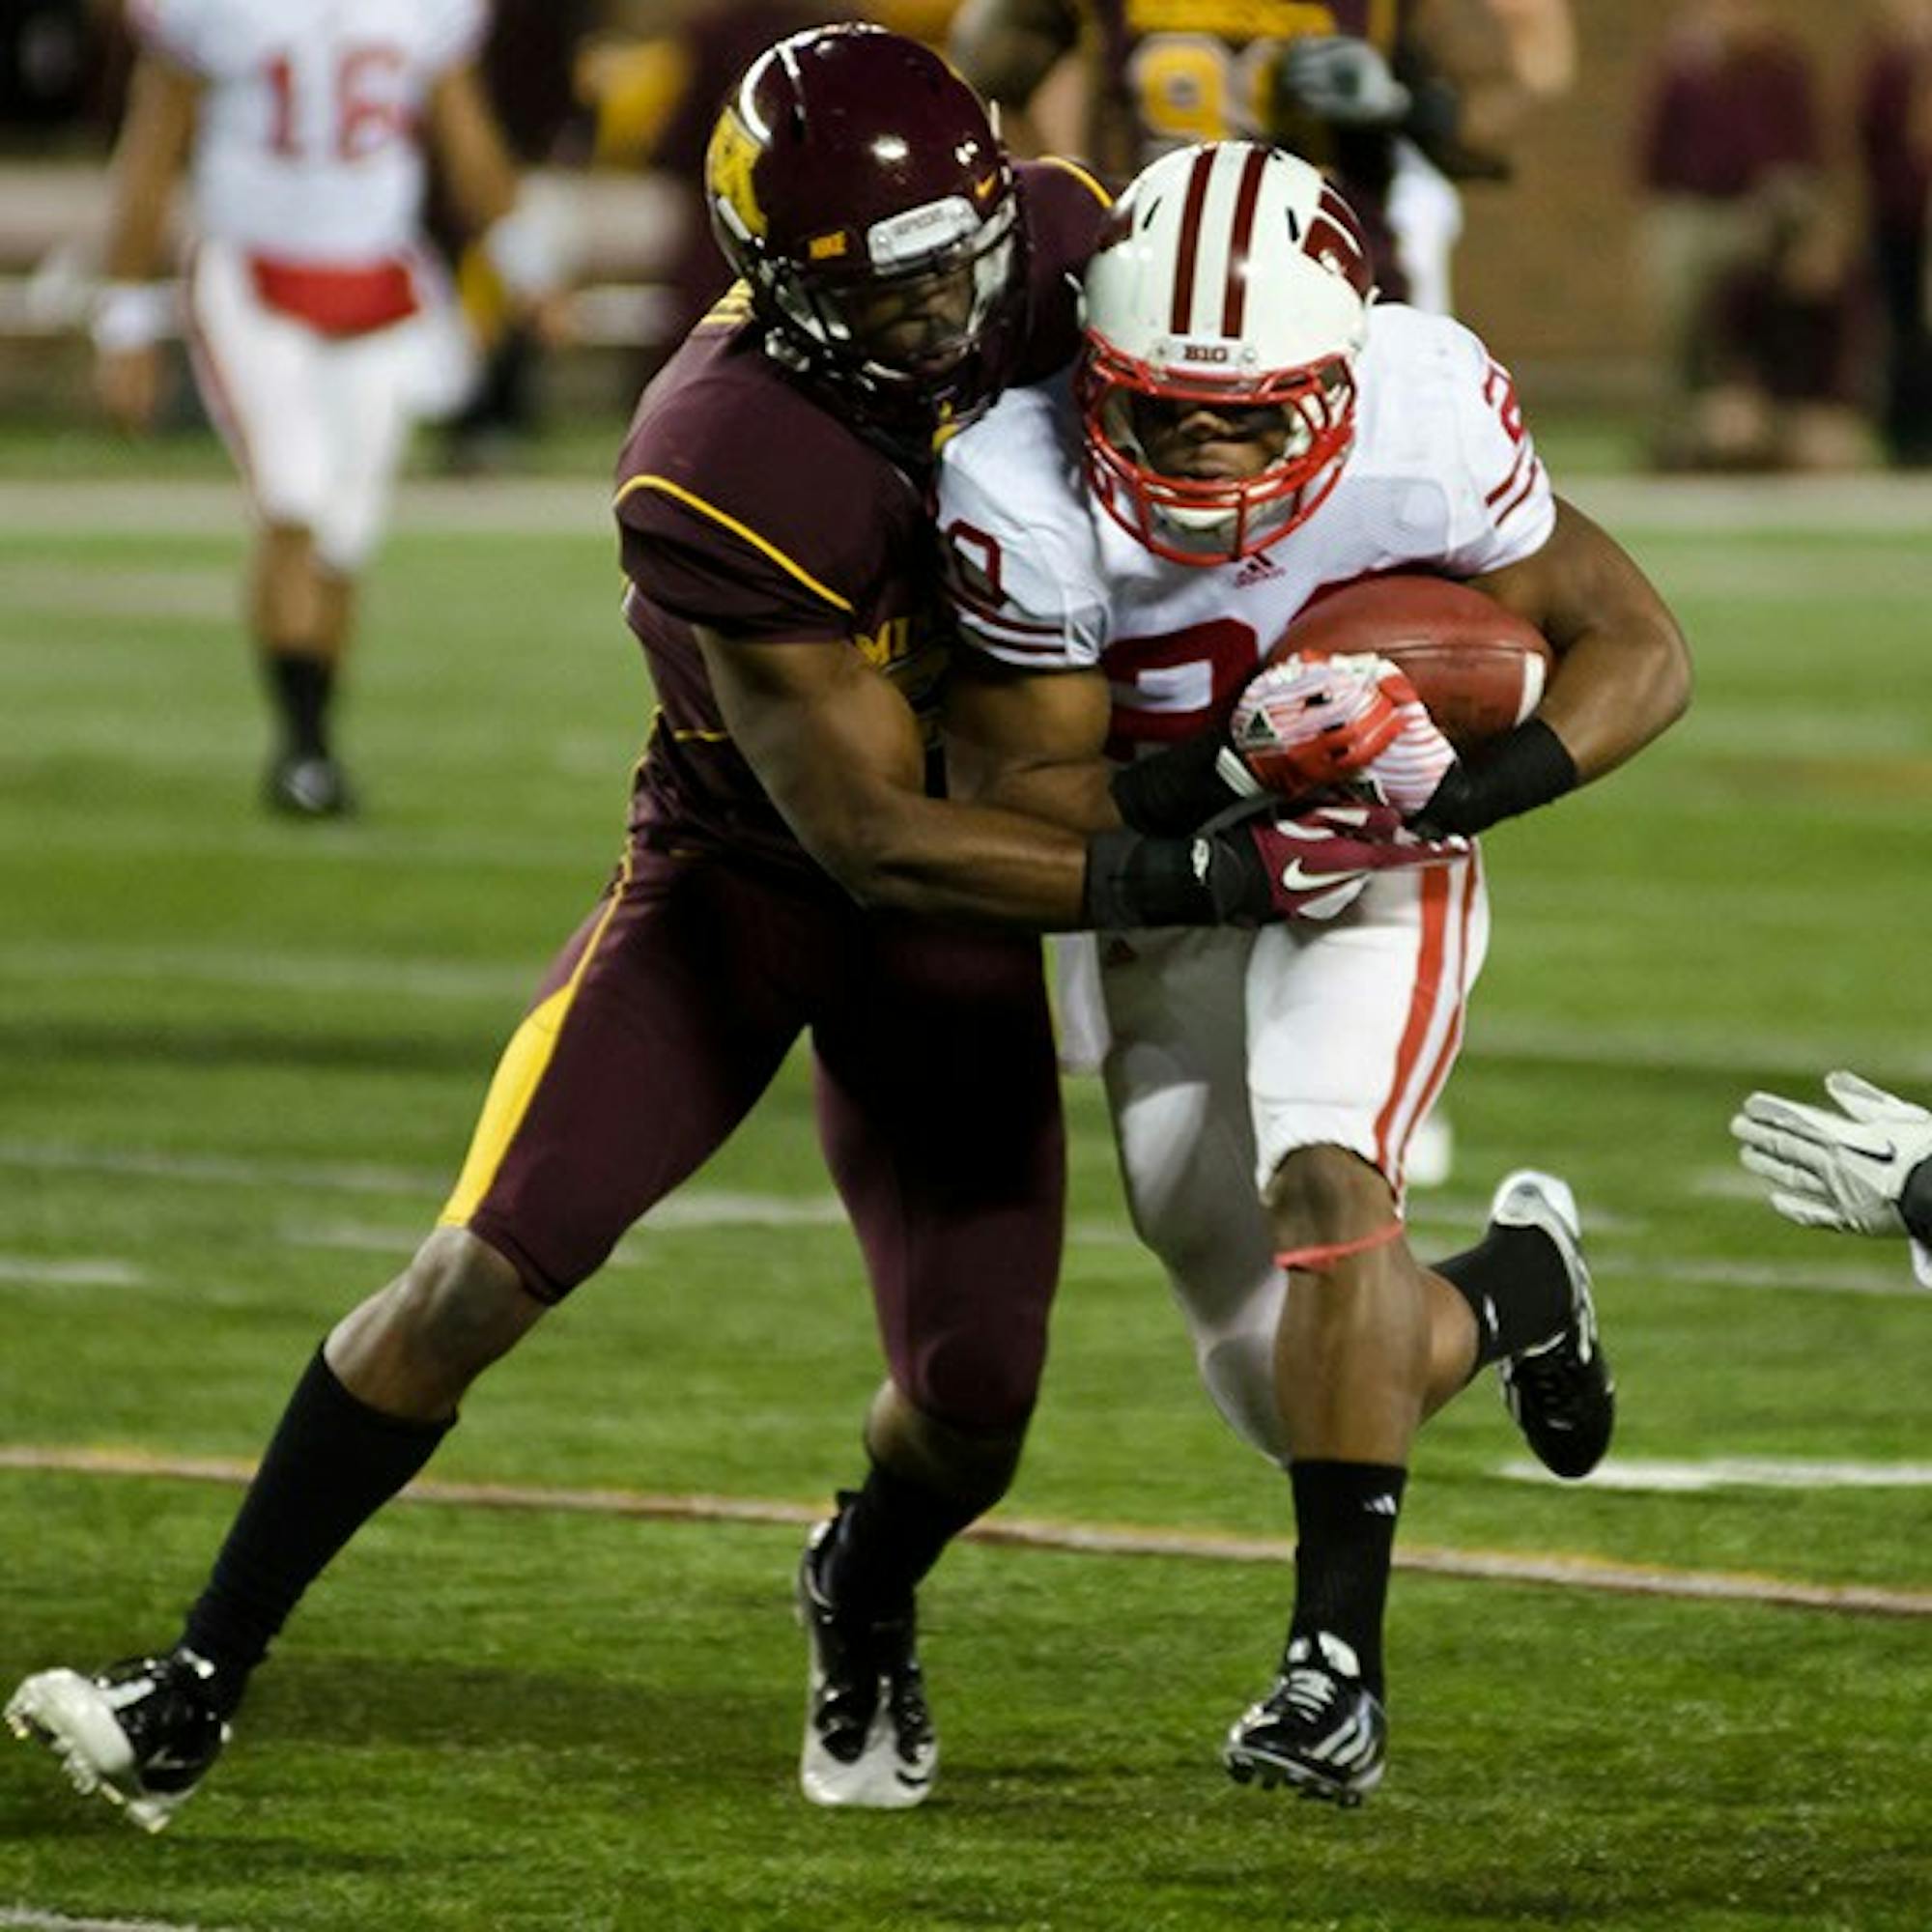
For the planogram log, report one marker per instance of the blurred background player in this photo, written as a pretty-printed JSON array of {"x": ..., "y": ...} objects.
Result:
[
  {"x": 1862, "y": 1166},
  {"x": 1250, "y": 431},
  {"x": 318, "y": 325},
  {"x": 1341, "y": 86}
]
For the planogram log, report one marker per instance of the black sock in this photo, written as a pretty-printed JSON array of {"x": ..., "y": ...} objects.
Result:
[
  {"x": 301, "y": 684},
  {"x": 1344, "y": 1518},
  {"x": 332, "y": 1463},
  {"x": 1515, "y": 1282},
  {"x": 889, "y": 1534}
]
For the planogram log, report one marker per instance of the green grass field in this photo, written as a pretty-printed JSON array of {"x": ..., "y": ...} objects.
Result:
[{"x": 240, "y": 1060}]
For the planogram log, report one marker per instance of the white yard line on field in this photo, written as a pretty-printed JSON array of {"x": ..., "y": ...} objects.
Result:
[
  {"x": 1645, "y": 1476},
  {"x": 1556, "y": 1568},
  {"x": 38, "y": 1271},
  {"x": 31, "y": 1919}
]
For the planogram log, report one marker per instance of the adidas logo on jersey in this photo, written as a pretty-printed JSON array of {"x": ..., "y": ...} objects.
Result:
[{"x": 1257, "y": 570}]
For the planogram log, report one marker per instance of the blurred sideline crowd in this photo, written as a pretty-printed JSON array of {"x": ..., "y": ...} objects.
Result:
[
  {"x": 1784, "y": 233},
  {"x": 1789, "y": 322}
]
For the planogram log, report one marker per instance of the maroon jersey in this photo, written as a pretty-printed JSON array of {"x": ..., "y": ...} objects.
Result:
[
  {"x": 1172, "y": 72},
  {"x": 746, "y": 504}
]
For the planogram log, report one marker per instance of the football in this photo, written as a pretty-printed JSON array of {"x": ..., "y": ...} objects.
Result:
[{"x": 1478, "y": 668}]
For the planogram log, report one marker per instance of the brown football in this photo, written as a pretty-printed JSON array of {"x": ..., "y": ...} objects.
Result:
[{"x": 1478, "y": 668}]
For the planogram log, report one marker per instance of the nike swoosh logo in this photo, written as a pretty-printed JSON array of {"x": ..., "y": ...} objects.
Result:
[
  {"x": 1297, "y": 878},
  {"x": 914, "y": 1782},
  {"x": 1883, "y": 1155}
]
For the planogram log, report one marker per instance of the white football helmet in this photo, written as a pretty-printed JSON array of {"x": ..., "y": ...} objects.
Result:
[{"x": 1233, "y": 276}]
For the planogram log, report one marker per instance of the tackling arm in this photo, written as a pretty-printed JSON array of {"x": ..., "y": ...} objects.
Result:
[
  {"x": 1029, "y": 741},
  {"x": 844, "y": 758}
]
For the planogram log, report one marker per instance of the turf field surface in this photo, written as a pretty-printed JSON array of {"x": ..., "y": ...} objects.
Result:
[{"x": 240, "y": 1060}]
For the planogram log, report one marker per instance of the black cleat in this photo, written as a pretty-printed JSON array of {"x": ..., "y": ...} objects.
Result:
[
  {"x": 869, "y": 1736},
  {"x": 307, "y": 786},
  {"x": 142, "y": 1733},
  {"x": 1321, "y": 1729},
  {"x": 1560, "y": 1391}
]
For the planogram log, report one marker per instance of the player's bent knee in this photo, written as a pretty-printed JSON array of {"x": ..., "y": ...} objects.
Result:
[
  {"x": 414, "y": 1347},
  {"x": 973, "y": 1465},
  {"x": 1325, "y": 1194}
]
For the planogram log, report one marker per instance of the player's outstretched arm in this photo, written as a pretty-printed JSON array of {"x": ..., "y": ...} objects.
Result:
[
  {"x": 516, "y": 236},
  {"x": 133, "y": 311},
  {"x": 1864, "y": 1169},
  {"x": 1622, "y": 677}
]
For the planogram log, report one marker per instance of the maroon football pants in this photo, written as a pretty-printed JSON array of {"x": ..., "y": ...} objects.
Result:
[{"x": 669, "y": 1013}]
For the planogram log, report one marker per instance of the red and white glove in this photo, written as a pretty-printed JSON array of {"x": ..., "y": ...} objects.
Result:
[
  {"x": 1317, "y": 719},
  {"x": 1316, "y": 863}
]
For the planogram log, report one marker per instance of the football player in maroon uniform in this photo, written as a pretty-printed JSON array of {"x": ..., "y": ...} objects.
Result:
[
  {"x": 773, "y": 501},
  {"x": 1340, "y": 84}
]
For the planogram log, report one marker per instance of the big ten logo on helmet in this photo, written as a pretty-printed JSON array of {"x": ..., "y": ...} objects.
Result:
[
  {"x": 1206, "y": 352},
  {"x": 728, "y": 162}
]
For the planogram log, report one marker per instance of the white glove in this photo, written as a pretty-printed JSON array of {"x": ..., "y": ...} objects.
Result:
[
  {"x": 1843, "y": 1170},
  {"x": 1343, "y": 80}
]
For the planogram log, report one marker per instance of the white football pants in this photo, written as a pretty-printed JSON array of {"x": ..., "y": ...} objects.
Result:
[{"x": 1228, "y": 1050}]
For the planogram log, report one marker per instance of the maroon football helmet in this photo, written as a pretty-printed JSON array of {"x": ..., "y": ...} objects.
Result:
[{"x": 856, "y": 185}]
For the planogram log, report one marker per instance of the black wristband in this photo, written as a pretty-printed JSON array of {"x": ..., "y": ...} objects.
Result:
[
  {"x": 1529, "y": 767},
  {"x": 1174, "y": 790},
  {"x": 1915, "y": 1203},
  {"x": 1134, "y": 882}
]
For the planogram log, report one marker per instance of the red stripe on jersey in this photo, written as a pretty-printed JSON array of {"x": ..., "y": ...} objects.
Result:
[
  {"x": 1234, "y": 302},
  {"x": 1190, "y": 241},
  {"x": 1521, "y": 498},
  {"x": 1510, "y": 481},
  {"x": 987, "y": 612},
  {"x": 1421, "y": 1006}
]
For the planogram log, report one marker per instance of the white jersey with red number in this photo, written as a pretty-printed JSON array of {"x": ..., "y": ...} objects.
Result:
[
  {"x": 1443, "y": 477},
  {"x": 1225, "y": 1052},
  {"x": 309, "y": 144}
]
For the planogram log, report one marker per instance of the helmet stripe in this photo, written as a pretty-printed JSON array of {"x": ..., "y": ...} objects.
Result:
[
  {"x": 1234, "y": 299},
  {"x": 1190, "y": 249}
]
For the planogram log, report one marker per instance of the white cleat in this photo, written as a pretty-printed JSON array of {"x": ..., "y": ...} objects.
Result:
[
  {"x": 142, "y": 1734},
  {"x": 868, "y": 1738}
]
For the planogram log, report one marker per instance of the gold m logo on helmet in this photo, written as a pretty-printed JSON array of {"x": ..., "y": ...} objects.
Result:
[{"x": 728, "y": 162}]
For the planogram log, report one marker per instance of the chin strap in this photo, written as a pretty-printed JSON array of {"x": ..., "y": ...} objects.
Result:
[{"x": 1320, "y": 1260}]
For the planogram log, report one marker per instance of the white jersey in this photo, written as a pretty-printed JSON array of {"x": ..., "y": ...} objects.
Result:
[
  {"x": 1443, "y": 477},
  {"x": 309, "y": 144}
]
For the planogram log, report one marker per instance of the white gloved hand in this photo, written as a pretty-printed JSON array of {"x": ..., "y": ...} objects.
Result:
[
  {"x": 1343, "y": 80},
  {"x": 1844, "y": 1170}
]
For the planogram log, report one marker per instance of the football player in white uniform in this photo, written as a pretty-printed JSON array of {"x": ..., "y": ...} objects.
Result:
[
  {"x": 1242, "y": 429},
  {"x": 317, "y": 323}
]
